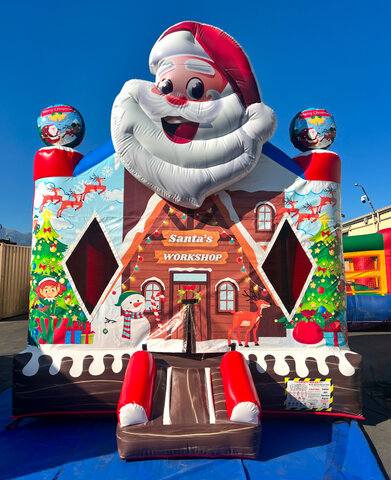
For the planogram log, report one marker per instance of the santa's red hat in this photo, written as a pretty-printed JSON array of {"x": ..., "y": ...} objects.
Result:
[{"x": 212, "y": 44}]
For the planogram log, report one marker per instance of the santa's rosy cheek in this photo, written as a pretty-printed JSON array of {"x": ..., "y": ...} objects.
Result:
[{"x": 156, "y": 91}]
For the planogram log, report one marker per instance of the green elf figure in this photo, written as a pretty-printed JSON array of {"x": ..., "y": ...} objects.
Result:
[
  {"x": 136, "y": 327},
  {"x": 48, "y": 290}
]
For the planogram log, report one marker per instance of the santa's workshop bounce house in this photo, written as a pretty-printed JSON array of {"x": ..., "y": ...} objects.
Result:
[{"x": 188, "y": 274}]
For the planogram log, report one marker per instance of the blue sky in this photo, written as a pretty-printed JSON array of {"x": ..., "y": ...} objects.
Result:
[{"x": 333, "y": 55}]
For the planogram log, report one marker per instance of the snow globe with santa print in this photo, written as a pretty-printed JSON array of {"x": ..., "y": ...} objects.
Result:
[
  {"x": 61, "y": 125},
  {"x": 312, "y": 128}
]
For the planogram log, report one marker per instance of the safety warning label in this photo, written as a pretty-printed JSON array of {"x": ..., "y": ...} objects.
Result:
[{"x": 309, "y": 393}]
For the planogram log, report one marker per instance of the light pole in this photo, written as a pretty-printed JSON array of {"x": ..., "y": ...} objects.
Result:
[{"x": 364, "y": 198}]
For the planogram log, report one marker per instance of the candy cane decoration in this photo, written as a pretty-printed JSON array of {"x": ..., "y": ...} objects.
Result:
[{"x": 154, "y": 307}]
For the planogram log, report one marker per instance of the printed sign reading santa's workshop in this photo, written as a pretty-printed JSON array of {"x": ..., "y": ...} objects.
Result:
[{"x": 190, "y": 238}]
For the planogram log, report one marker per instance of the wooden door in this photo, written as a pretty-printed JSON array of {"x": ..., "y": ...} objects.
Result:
[{"x": 188, "y": 290}]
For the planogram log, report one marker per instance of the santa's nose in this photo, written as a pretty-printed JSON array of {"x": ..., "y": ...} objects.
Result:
[{"x": 176, "y": 99}]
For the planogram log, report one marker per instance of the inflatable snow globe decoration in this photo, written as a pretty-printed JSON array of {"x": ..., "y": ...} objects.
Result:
[
  {"x": 61, "y": 125},
  {"x": 312, "y": 129}
]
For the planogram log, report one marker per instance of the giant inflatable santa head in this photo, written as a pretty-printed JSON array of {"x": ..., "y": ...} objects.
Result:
[{"x": 201, "y": 126}]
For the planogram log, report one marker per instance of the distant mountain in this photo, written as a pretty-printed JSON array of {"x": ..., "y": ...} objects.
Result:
[{"x": 15, "y": 236}]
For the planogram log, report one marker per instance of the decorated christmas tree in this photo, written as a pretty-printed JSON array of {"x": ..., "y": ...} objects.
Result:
[
  {"x": 53, "y": 305},
  {"x": 324, "y": 299}
]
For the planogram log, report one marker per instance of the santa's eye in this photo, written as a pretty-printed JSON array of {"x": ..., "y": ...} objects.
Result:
[
  {"x": 165, "y": 86},
  {"x": 195, "y": 88}
]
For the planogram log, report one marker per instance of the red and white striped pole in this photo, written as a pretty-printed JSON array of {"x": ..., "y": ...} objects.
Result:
[{"x": 154, "y": 307}]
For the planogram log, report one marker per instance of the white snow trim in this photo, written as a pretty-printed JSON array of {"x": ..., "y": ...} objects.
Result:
[
  {"x": 315, "y": 150},
  {"x": 266, "y": 176},
  {"x": 302, "y": 187},
  {"x": 227, "y": 279},
  {"x": 212, "y": 415},
  {"x": 153, "y": 279},
  {"x": 166, "y": 411},
  {"x": 140, "y": 226},
  {"x": 226, "y": 199},
  {"x": 58, "y": 147},
  {"x": 246, "y": 412},
  {"x": 189, "y": 269},
  {"x": 264, "y": 203},
  {"x": 132, "y": 414},
  {"x": 78, "y": 353}
]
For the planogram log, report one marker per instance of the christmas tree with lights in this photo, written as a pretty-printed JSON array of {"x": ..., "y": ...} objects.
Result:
[
  {"x": 53, "y": 304},
  {"x": 324, "y": 298}
]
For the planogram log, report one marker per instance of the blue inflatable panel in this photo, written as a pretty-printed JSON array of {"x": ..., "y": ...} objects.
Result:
[
  {"x": 107, "y": 149},
  {"x": 71, "y": 447},
  {"x": 94, "y": 157},
  {"x": 282, "y": 159},
  {"x": 368, "y": 310}
]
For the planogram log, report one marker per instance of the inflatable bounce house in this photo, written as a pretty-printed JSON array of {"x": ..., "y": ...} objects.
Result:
[
  {"x": 188, "y": 274},
  {"x": 368, "y": 279}
]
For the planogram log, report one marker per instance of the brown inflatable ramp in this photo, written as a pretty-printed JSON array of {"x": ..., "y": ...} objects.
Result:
[{"x": 188, "y": 414}]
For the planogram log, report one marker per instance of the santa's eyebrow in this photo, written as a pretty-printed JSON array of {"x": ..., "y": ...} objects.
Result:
[
  {"x": 165, "y": 67},
  {"x": 195, "y": 65}
]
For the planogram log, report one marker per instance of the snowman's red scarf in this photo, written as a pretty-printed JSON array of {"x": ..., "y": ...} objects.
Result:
[{"x": 128, "y": 317}]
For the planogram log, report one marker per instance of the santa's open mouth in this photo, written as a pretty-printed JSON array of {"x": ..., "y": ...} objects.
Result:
[{"x": 179, "y": 130}]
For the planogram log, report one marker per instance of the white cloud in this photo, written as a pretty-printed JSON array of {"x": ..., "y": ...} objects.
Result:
[
  {"x": 114, "y": 195},
  {"x": 305, "y": 187},
  {"x": 60, "y": 223}
]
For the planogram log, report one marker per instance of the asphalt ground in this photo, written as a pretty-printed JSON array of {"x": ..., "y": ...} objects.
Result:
[{"x": 374, "y": 345}]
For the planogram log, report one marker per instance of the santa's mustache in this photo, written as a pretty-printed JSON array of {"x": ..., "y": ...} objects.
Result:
[
  {"x": 157, "y": 107},
  {"x": 186, "y": 173}
]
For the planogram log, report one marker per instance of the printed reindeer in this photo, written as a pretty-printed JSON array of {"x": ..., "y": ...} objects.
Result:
[
  {"x": 292, "y": 211},
  {"x": 53, "y": 197},
  {"x": 326, "y": 200},
  {"x": 76, "y": 204},
  {"x": 312, "y": 217},
  {"x": 90, "y": 187},
  {"x": 247, "y": 319}
]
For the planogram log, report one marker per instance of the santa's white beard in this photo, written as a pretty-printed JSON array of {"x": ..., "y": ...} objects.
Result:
[{"x": 226, "y": 148}]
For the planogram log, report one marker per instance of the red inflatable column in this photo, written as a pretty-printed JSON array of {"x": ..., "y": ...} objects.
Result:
[
  {"x": 240, "y": 394},
  {"x": 55, "y": 162},
  {"x": 320, "y": 165},
  {"x": 135, "y": 401}
]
